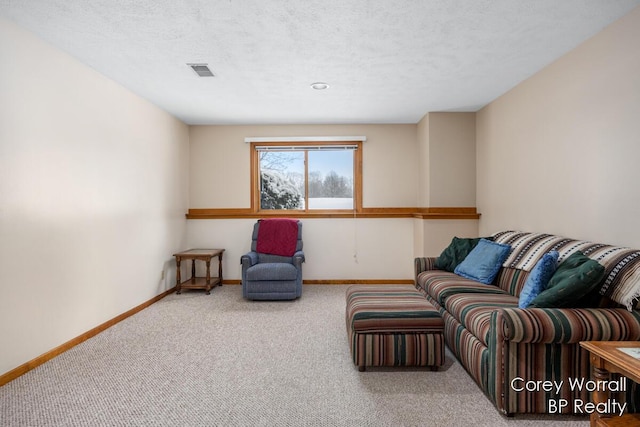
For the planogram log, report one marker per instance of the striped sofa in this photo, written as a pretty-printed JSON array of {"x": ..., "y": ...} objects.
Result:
[{"x": 501, "y": 346}]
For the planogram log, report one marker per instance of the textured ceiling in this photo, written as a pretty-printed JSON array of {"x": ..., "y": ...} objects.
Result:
[{"x": 386, "y": 61}]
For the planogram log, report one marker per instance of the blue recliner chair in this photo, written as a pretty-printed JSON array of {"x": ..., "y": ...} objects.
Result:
[{"x": 267, "y": 276}]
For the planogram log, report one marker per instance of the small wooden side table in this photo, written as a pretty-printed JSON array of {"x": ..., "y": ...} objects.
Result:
[
  {"x": 606, "y": 358},
  {"x": 194, "y": 282}
]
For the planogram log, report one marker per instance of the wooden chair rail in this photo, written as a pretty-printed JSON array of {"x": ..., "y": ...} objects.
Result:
[{"x": 382, "y": 212}]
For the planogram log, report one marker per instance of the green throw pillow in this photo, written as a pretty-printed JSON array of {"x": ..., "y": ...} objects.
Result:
[
  {"x": 455, "y": 253},
  {"x": 576, "y": 277}
]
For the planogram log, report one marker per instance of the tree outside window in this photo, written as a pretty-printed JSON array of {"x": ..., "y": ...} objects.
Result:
[{"x": 306, "y": 178}]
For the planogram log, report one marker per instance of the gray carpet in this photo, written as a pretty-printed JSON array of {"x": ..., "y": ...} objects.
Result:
[{"x": 204, "y": 360}]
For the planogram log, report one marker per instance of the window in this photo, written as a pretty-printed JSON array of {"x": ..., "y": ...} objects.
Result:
[{"x": 306, "y": 177}]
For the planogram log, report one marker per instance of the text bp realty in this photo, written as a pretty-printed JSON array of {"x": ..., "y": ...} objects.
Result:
[{"x": 610, "y": 406}]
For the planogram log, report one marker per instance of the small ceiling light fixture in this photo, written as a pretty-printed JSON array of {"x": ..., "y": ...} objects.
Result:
[
  {"x": 319, "y": 85},
  {"x": 201, "y": 69}
]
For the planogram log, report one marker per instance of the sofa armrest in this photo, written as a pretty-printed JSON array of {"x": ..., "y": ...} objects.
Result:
[
  {"x": 424, "y": 264},
  {"x": 566, "y": 325}
]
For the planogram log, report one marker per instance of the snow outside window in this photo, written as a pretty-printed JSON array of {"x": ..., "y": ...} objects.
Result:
[{"x": 306, "y": 178}]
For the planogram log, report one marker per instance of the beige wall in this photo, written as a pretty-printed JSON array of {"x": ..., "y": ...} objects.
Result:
[
  {"x": 452, "y": 158},
  {"x": 447, "y": 157},
  {"x": 559, "y": 153},
  {"x": 335, "y": 248},
  {"x": 93, "y": 195},
  {"x": 437, "y": 233},
  {"x": 446, "y": 178},
  {"x": 422, "y": 135},
  {"x": 220, "y": 169},
  {"x": 395, "y": 158}
]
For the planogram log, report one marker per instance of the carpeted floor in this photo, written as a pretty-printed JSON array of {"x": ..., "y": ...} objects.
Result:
[{"x": 218, "y": 360}]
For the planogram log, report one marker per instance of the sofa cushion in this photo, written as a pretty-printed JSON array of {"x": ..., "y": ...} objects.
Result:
[
  {"x": 511, "y": 280},
  {"x": 574, "y": 279},
  {"x": 539, "y": 278},
  {"x": 473, "y": 311},
  {"x": 455, "y": 253},
  {"x": 484, "y": 261},
  {"x": 390, "y": 309},
  {"x": 441, "y": 284}
]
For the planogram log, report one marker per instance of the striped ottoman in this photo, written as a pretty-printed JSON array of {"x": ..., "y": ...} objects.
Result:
[{"x": 393, "y": 325}]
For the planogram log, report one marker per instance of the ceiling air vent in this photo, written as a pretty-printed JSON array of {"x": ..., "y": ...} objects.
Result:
[{"x": 201, "y": 69}]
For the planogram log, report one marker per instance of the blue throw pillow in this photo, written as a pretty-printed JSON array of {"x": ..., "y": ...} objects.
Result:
[
  {"x": 538, "y": 278},
  {"x": 484, "y": 261}
]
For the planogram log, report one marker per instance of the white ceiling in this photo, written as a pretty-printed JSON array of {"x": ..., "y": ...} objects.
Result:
[{"x": 386, "y": 61}]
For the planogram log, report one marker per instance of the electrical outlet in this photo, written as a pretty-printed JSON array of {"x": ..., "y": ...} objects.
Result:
[{"x": 162, "y": 275}]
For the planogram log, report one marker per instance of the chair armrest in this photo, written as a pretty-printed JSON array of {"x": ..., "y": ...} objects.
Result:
[
  {"x": 424, "y": 264},
  {"x": 249, "y": 259},
  {"x": 566, "y": 325},
  {"x": 298, "y": 259}
]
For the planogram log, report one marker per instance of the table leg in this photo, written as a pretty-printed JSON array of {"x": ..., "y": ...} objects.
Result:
[
  {"x": 208, "y": 282},
  {"x": 220, "y": 268},
  {"x": 599, "y": 395},
  {"x": 193, "y": 271},
  {"x": 178, "y": 278}
]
